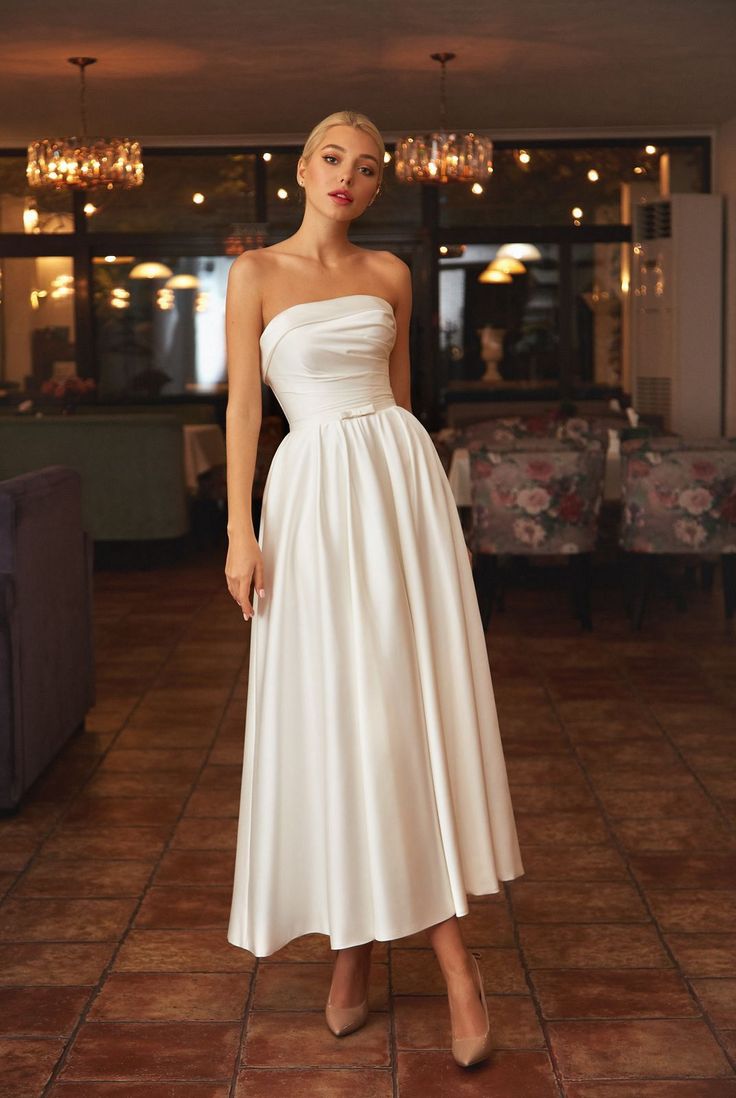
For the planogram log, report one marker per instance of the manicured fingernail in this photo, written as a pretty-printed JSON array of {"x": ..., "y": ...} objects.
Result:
[{"x": 261, "y": 592}]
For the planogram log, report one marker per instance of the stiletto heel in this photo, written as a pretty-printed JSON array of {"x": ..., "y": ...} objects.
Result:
[{"x": 470, "y": 1050}]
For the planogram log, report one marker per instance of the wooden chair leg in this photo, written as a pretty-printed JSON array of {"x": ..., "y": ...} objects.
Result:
[
  {"x": 484, "y": 576},
  {"x": 644, "y": 574},
  {"x": 580, "y": 582},
  {"x": 707, "y": 575},
  {"x": 674, "y": 587},
  {"x": 728, "y": 565}
]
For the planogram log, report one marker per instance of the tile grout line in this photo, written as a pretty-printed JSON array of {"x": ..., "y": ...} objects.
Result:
[
  {"x": 623, "y": 852},
  {"x": 62, "y": 1060}
]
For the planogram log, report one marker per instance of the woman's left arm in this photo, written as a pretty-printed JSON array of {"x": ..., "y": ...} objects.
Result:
[{"x": 399, "y": 364}]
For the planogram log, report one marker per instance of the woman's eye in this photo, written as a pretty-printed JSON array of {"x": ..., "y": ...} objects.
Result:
[{"x": 329, "y": 158}]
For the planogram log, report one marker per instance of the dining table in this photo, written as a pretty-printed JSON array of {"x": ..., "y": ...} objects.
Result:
[{"x": 204, "y": 449}]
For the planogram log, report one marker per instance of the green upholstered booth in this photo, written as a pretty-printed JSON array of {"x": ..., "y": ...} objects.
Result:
[{"x": 132, "y": 468}]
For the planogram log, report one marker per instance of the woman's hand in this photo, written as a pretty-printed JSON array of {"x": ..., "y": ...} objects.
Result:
[{"x": 244, "y": 564}]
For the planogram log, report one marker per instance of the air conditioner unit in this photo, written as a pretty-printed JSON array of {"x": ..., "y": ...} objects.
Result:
[{"x": 676, "y": 311}]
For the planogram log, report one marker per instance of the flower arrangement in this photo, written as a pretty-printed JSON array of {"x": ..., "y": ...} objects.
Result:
[{"x": 68, "y": 391}]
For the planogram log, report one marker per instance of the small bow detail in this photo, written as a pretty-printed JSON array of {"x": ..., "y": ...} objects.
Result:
[{"x": 361, "y": 410}]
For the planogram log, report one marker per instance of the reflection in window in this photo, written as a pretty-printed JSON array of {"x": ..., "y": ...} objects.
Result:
[
  {"x": 597, "y": 315},
  {"x": 197, "y": 193},
  {"x": 542, "y": 186},
  {"x": 500, "y": 332},
  {"x": 160, "y": 325},
  {"x": 36, "y": 322},
  {"x": 26, "y": 210}
]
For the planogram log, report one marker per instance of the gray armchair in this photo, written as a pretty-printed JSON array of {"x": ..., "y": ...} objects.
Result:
[{"x": 46, "y": 637}]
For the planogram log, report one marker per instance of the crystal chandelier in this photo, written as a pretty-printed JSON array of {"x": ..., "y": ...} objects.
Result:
[
  {"x": 444, "y": 157},
  {"x": 83, "y": 162}
]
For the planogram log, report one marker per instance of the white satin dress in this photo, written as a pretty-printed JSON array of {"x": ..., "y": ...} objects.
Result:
[{"x": 374, "y": 794}]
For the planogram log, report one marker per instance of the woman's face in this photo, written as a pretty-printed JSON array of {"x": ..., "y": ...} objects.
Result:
[{"x": 341, "y": 176}]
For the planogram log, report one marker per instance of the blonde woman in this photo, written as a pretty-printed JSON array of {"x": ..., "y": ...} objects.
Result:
[{"x": 374, "y": 797}]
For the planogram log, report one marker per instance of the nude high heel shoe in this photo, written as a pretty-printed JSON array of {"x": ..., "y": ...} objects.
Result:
[
  {"x": 470, "y": 1050},
  {"x": 344, "y": 1020}
]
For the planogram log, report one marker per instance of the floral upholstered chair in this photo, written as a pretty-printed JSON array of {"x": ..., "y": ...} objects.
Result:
[
  {"x": 679, "y": 498},
  {"x": 535, "y": 497},
  {"x": 445, "y": 440},
  {"x": 542, "y": 426}
]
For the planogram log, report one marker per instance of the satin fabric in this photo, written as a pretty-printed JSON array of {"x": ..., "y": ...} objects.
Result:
[{"x": 374, "y": 795}]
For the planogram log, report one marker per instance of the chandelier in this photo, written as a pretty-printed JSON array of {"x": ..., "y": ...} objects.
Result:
[
  {"x": 83, "y": 162},
  {"x": 443, "y": 157}
]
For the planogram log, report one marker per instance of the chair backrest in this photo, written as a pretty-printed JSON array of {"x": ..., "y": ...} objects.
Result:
[
  {"x": 543, "y": 425},
  {"x": 536, "y": 496},
  {"x": 678, "y": 495}
]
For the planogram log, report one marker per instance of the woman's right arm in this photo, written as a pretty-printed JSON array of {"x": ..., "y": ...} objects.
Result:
[{"x": 243, "y": 323}]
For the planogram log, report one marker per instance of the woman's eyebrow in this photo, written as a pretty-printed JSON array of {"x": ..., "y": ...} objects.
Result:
[{"x": 363, "y": 156}]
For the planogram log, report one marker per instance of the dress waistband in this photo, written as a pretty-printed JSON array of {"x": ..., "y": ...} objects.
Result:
[{"x": 376, "y": 405}]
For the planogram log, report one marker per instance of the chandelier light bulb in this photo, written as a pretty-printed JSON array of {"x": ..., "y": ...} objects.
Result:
[
  {"x": 443, "y": 156},
  {"x": 84, "y": 162}
]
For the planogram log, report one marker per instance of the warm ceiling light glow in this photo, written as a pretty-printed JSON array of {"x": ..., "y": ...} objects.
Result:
[
  {"x": 443, "y": 249},
  {"x": 651, "y": 149},
  {"x": 89, "y": 209},
  {"x": 508, "y": 265},
  {"x": 183, "y": 282},
  {"x": 524, "y": 157},
  {"x": 164, "y": 299},
  {"x": 267, "y": 157},
  {"x": 444, "y": 155},
  {"x": 493, "y": 275},
  {"x": 593, "y": 175},
  {"x": 62, "y": 280},
  {"x": 197, "y": 198},
  {"x": 638, "y": 170},
  {"x": 151, "y": 269},
  {"x": 30, "y": 220},
  {"x": 110, "y": 258},
  {"x": 576, "y": 211},
  {"x": 84, "y": 161},
  {"x": 387, "y": 157},
  {"x": 282, "y": 193},
  {"x": 119, "y": 303},
  {"x": 477, "y": 188},
  {"x": 528, "y": 253}
]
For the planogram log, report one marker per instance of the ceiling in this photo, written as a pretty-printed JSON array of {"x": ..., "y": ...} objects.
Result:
[{"x": 240, "y": 69}]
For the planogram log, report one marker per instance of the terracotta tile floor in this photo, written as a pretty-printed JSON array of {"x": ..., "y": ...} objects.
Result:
[{"x": 610, "y": 966}]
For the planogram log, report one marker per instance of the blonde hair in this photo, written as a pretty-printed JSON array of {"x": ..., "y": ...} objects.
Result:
[{"x": 346, "y": 118}]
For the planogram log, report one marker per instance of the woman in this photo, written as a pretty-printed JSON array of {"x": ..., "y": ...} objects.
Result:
[{"x": 374, "y": 795}]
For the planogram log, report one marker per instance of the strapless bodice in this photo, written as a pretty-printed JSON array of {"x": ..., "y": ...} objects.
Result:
[{"x": 329, "y": 359}]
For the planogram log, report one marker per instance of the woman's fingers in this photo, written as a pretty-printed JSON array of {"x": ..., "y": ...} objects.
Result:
[
  {"x": 239, "y": 586},
  {"x": 258, "y": 580}
]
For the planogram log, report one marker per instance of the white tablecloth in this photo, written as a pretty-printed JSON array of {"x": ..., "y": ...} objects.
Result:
[
  {"x": 204, "y": 448},
  {"x": 459, "y": 474}
]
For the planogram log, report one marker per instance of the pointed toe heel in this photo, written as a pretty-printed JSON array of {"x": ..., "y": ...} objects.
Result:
[
  {"x": 471, "y": 1050},
  {"x": 344, "y": 1020}
]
